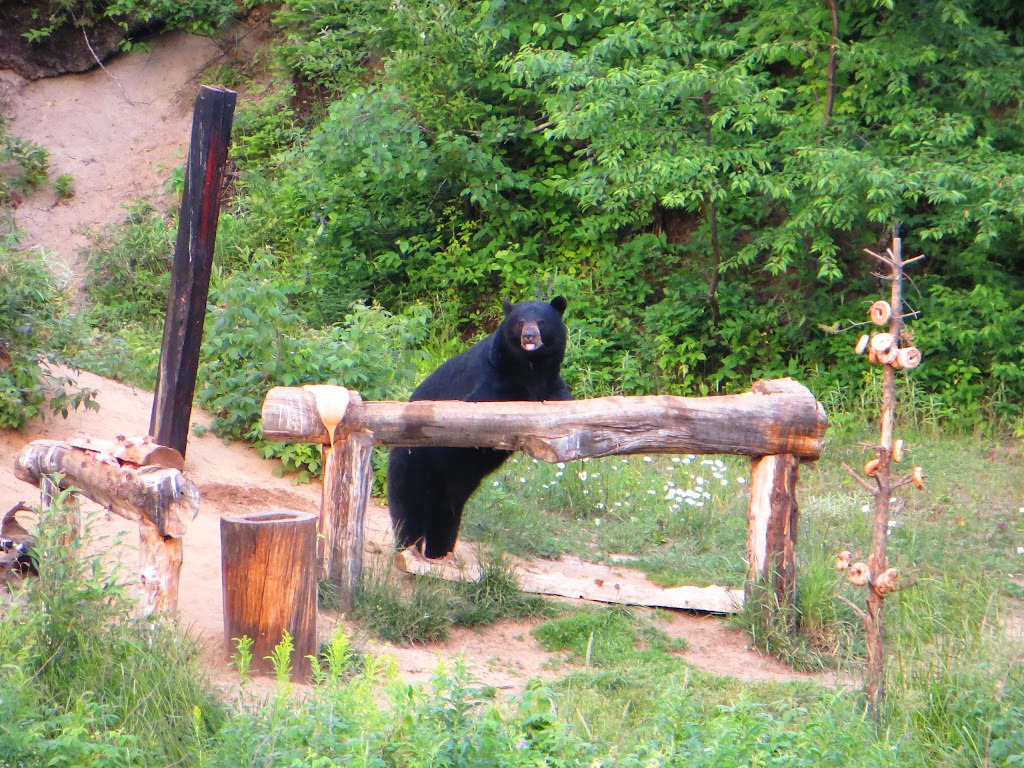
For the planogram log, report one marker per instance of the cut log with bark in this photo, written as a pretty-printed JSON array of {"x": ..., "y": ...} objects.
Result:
[
  {"x": 138, "y": 451},
  {"x": 776, "y": 417},
  {"x": 268, "y": 562},
  {"x": 157, "y": 496},
  {"x": 160, "y": 499}
]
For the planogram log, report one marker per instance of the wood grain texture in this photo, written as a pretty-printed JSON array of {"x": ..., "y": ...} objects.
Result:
[
  {"x": 268, "y": 562},
  {"x": 776, "y": 417},
  {"x": 191, "y": 267},
  {"x": 347, "y": 482},
  {"x": 772, "y": 520},
  {"x": 157, "y": 496}
]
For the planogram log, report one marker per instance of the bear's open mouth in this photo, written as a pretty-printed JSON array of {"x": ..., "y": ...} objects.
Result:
[{"x": 530, "y": 346}]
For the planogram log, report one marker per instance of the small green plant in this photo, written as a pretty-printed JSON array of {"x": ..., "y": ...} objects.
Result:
[
  {"x": 281, "y": 658},
  {"x": 31, "y": 160},
  {"x": 64, "y": 186},
  {"x": 241, "y": 659}
]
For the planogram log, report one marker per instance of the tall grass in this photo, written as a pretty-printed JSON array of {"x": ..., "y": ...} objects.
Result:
[{"x": 84, "y": 684}]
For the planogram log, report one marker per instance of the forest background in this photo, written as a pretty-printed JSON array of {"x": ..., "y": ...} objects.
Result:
[{"x": 699, "y": 179}]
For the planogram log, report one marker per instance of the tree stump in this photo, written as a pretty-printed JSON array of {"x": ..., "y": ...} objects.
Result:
[{"x": 268, "y": 562}]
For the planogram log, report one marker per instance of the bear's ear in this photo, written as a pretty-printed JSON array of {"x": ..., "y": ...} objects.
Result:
[
  {"x": 507, "y": 306},
  {"x": 559, "y": 303}
]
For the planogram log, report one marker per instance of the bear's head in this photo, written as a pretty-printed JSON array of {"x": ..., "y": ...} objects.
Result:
[{"x": 535, "y": 328}]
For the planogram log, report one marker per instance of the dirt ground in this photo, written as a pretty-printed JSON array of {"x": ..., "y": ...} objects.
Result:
[{"x": 117, "y": 132}]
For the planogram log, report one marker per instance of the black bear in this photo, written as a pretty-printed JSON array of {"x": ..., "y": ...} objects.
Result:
[{"x": 428, "y": 487}]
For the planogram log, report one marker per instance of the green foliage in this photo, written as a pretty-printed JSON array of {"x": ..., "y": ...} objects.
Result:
[
  {"x": 426, "y": 610},
  {"x": 24, "y": 165},
  {"x": 198, "y": 16},
  {"x": 64, "y": 186},
  {"x": 254, "y": 339},
  {"x": 130, "y": 269},
  {"x": 32, "y": 323},
  {"x": 673, "y": 172},
  {"x": 665, "y": 172},
  {"x": 89, "y": 686}
]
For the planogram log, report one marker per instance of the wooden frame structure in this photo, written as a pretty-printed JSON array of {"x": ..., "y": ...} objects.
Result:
[
  {"x": 136, "y": 479},
  {"x": 779, "y": 424}
]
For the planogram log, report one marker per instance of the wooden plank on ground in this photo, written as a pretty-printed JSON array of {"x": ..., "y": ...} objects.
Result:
[{"x": 573, "y": 578}]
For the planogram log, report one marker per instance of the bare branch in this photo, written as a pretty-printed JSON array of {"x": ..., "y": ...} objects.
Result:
[
  {"x": 880, "y": 257},
  {"x": 830, "y": 76},
  {"x": 907, "y": 478},
  {"x": 857, "y": 608},
  {"x": 97, "y": 58},
  {"x": 859, "y": 479}
]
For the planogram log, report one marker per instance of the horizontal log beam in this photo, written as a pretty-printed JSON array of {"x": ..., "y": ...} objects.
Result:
[
  {"x": 776, "y": 417},
  {"x": 156, "y": 496}
]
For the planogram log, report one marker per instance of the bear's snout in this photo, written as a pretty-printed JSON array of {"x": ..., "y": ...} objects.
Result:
[{"x": 529, "y": 337}]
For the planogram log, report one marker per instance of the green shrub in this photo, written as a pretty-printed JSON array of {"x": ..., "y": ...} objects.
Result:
[{"x": 33, "y": 323}]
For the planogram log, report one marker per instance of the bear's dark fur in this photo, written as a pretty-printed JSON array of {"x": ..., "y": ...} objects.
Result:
[{"x": 428, "y": 487}]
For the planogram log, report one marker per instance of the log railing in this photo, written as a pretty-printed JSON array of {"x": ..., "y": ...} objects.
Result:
[{"x": 778, "y": 424}]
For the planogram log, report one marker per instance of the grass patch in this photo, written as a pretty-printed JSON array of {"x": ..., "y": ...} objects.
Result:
[
  {"x": 87, "y": 684},
  {"x": 423, "y": 609},
  {"x": 682, "y": 517}
]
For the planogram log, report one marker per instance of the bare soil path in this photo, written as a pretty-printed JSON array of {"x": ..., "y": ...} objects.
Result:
[{"x": 113, "y": 136}]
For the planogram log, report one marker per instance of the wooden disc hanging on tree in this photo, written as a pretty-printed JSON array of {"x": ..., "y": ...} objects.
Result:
[{"x": 880, "y": 312}]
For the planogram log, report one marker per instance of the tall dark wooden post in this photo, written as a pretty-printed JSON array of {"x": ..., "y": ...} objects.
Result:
[{"x": 190, "y": 273}]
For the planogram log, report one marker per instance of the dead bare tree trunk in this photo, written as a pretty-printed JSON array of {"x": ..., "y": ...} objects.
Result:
[{"x": 883, "y": 349}]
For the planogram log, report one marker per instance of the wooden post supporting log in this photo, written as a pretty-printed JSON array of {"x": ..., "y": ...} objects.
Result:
[
  {"x": 771, "y": 532},
  {"x": 160, "y": 499},
  {"x": 779, "y": 423},
  {"x": 268, "y": 563},
  {"x": 347, "y": 483}
]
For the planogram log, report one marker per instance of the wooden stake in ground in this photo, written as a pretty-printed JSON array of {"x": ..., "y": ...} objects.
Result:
[
  {"x": 891, "y": 350},
  {"x": 190, "y": 271}
]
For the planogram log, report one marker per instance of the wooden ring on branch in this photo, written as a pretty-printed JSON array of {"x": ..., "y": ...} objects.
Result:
[
  {"x": 859, "y": 574},
  {"x": 890, "y": 356},
  {"x": 871, "y": 467},
  {"x": 908, "y": 358},
  {"x": 843, "y": 560},
  {"x": 883, "y": 342},
  {"x": 888, "y": 581},
  {"x": 917, "y": 478},
  {"x": 872, "y": 356},
  {"x": 862, "y": 344},
  {"x": 880, "y": 312},
  {"x": 897, "y": 451}
]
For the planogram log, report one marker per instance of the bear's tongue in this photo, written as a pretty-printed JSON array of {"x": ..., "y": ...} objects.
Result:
[{"x": 529, "y": 346}]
